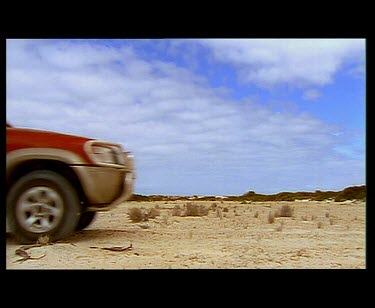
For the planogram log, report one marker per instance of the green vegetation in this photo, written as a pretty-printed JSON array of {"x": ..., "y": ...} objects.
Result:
[{"x": 349, "y": 193}]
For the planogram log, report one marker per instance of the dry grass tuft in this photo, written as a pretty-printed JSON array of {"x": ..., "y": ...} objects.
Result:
[
  {"x": 153, "y": 213},
  {"x": 286, "y": 211},
  {"x": 219, "y": 212},
  {"x": 136, "y": 214},
  {"x": 176, "y": 211},
  {"x": 213, "y": 206},
  {"x": 271, "y": 217},
  {"x": 280, "y": 227},
  {"x": 192, "y": 209}
]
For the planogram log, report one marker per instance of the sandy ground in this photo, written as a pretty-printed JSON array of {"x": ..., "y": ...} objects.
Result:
[{"x": 320, "y": 235}]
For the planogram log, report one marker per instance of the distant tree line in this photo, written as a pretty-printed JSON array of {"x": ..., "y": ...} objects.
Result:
[{"x": 349, "y": 193}]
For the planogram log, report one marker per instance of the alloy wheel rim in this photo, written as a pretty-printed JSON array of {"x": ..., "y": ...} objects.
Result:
[{"x": 39, "y": 209}]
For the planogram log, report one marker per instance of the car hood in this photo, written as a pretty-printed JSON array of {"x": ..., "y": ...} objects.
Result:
[{"x": 18, "y": 138}]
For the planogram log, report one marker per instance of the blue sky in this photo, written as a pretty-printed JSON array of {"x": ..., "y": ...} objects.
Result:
[{"x": 206, "y": 116}]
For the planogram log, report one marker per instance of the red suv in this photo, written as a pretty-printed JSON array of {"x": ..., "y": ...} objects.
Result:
[{"x": 56, "y": 182}]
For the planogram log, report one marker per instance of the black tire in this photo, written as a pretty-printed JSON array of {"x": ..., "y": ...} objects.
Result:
[
  {"x": 42, "y": 203},
  {"x": 85, "y": 220}
]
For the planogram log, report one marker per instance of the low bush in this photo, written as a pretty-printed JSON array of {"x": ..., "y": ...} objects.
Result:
[
  {"x": 286, "y": 211},
  {"x": 203, "y": 211},
  {"x": 271, "y": 217},
  {"x": 213, "y": 206},
  {"x": 153, "y": 212},
  {"x": 192, "y": 209},
  {"x": 176, "y": 211},
  {"x": 219, "y": 212},
  {"x": 136, "y": 214}
]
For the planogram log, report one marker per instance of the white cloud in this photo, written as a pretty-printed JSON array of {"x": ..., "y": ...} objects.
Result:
[
  {"x": 299, "y": 62},
  {"x": 311, "y": 94},
  {"x": 187, "y": 137}
]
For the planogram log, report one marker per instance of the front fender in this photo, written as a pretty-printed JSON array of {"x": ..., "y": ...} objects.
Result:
[{"x": 17, "y": 157}]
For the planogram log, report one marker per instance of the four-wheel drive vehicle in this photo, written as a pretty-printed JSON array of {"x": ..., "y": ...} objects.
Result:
[{"x": 56, "y": 182}]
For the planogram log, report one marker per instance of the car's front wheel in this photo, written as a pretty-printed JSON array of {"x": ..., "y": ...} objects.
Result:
[
  {"x": 86, "y": 219},
  {"x": 42, "y": 203}
]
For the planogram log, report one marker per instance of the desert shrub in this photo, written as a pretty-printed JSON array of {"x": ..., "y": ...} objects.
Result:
[
  {"x": 193, "y": 209},
  {"x": 271, "y": 218},
  {"x": 136, "y": 214},
  {"x": 153, "y": 212},
  {"x": 213, "y": 206},
  {"x": 203, "y": 211},
  {"x": 286, "y": 211},
  {"x": 225, "y": 210},
  {"x": 176, "y": 211},
  {"x": 276, "y": 213},
  {"x": 219, "y": 212},
  {"x": 280, "y": 227}
]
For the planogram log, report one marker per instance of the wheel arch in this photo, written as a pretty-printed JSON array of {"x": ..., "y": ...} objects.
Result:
[{"x": 26, "y": 166}]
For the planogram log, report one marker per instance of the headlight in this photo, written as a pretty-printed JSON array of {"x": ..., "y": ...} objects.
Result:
[{"x": 105, "y": 153}]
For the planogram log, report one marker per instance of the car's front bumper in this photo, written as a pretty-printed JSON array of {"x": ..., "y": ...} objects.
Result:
[{"x": 106, "y": 187}]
